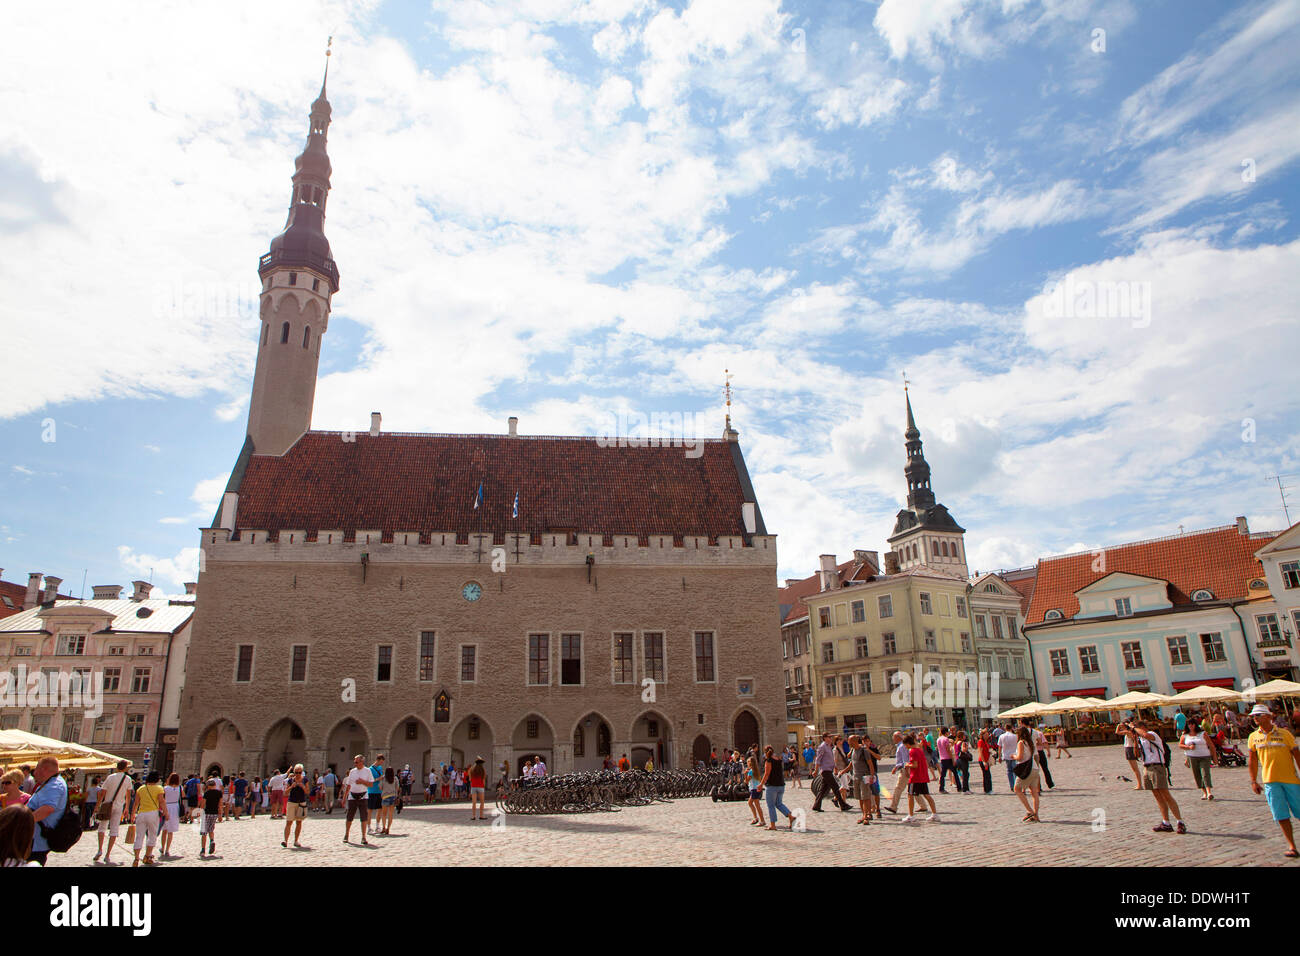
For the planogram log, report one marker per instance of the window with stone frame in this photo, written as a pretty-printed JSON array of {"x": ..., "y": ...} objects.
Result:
[
  {"x": 859, "y": 609},
  {"x": 828, "y": 652},
  {"x": 931, "y": 644},
  {"x": 824, "y": 617},
  {"x": 864, "y": 682},
  {"x": 652, "y": 655},
  {"x": 828, "y": 687},
  {"x": 961, "y": 607},
  {"x": 861, "y": 647},
  {"x": 888, "y": 645},
  {"x": 981, "y": 631},
  {"x": 965, "y": 642},
  {"x": 704, "y": 669},
  {"x": 997, "y": 628},
  {"x": 846, "y": 685},
  {"x": 570, "y": 659},
  {"x": 112, "y": 679},
  {"x": 885, "y": 604},
  {"x": 1269, "y": 632},
  {"x": 623, "y": 644},
  {"x": 427, "y": 655},
  {"x": 926, "y": 607},
  {"x": 1088, "y": 660},
  {"x": 102, "y": 733},
  {"x": 798, "y": 678},
  {"x": 1179, "y": 653},
  {"x": 1123, "y": 607},
  {"x": 1290, "y": 575},
  {"x": 244, "y": 664},
  {"x": 468, "y": 663},
  {"x": 298, "y": 664},
  {"x": 71, "y": 644},
  {"x": 539, "y": 659},
  {"x": 1060, "y": 660},
  {"x": 384, "y": 664},
  {"x": 134, "y": 728},
  {"x": 71, "y": 729},
  {"x": 140, "y": 679}
]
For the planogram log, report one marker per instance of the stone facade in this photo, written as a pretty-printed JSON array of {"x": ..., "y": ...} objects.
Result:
[{"x": 273, "y": 596}]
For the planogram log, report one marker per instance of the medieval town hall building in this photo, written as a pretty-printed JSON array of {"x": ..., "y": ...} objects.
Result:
[{"x": 376, "y": 592}]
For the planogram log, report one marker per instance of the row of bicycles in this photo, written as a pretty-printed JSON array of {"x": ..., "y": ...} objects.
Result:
[{"x": 608, "y": 790}]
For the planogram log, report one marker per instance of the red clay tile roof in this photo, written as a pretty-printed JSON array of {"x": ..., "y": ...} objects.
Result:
[
  {"x": 1220, "y": 559},
  {"x": 793, "y": 595},
  {"x": 15, "y": 593},
  {"x": 1022, "y": 580},
  {"x": 404, "y": 482}
]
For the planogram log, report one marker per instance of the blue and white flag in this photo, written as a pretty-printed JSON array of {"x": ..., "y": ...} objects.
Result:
[
  {"x": 478, "y": 498},
  {"x": 515, "y": 512}
]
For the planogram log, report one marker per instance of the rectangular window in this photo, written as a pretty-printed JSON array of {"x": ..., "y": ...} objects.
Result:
[
  {"x": 1212, "y": 648},
  {"x": 704, "y": 657},
  {"x": 428, "y": 644},
  {"x": 886, "y": 605},
  {"x": 298, "y": 668},
  {"x": 384, "y": 664},
  {"x": 980, "y": 630},
  {"x": 997, "y": 628},
  {"x": 1060, "y": 662},
  {"x": 1178, "y": 652},
  {"x": 539, "y": 659},
  {"x": 925, "y": 604},
  {"x": 890, "y": 674},
  {"x": 468, "y": 661},
  {"x": 860, "y": 647},
  {"x": 1268, "y": 629},
  {"x": 1020, "y": 666},
  {"x": 134, "y": 728},
  {"x": 785, "y": 649},
  {"x": 117, "y": 650},
  {"x": 103, "y": 731},
  {"x": 859, "y": 611},
  {"x": 798, "y": 677},
  {"x": 1011, "y": 628},
  {"x": 1003, "y": 670},
  {"x": 787, "y": 679},
  {"x": 570, "y": 659},
  {"x": 72, "y": 729},
  {"x": 846, "y": 685},
  {"x": 1088, "y": 663},
  {"x": 244, "y": 667},
  {"x": 961, "y": 607},
  {"x": 824, "y": 616},
  {"x": 22, "y": 650},
  {"x": 1132, "y": 651},
  {"x": 930, "y": 643},
  {"x": 112, "y": 679},
  {"x": 623, "y": 642},
  {"x": 828, "y": 652},
  {"x": 652, "y": 648},
  {"x": 146, "y": 651},
  {"x": 864, "y": 683},
  {"x": 41, "y": 724},
  {"x": 1290, "y": 575},
  {"x": 829, "y": 686},
  {"x": 798, "y": 646},
  {"x": 888, "y": 644},
  {"x": 1123, "y": 608},
  {"x": 71, "y": 644},
  {"x": 965, "y": 642},
  {"x": 140, "y": 678}
]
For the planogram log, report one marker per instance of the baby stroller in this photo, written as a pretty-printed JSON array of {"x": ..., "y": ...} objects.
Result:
[{"x": 1231, "y": 756}]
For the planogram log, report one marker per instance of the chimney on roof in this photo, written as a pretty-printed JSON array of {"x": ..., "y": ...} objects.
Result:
[
  {"x": 33, "y": 595},
  {"x": 106, "y": 592},
  {"x": 142, "y": 589},
  {"x": 891, "y": 562},
  {"x": 513, "y": 425},
  {"x": 192, "y": 587},
  {"x": 1242, "y": 527},
  {"x": 374, "y": 424},
  {"x": 868, "y": 557},
  {"x": 791, "y": 582},
  {"x": 830, "y": 580},
  {"x": 51, "y": 588}
]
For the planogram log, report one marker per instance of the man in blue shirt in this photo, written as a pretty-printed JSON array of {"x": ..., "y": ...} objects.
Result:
[
  {"x": 330, "y": 783},
  {"x": 48, "y": 804},
  {"x": 373, "y": 799},
  {"x": 808, "y": 755}
]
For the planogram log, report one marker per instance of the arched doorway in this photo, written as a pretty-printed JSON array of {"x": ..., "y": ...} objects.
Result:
[
  {"x": 408, "y": 746},
  {"x": 472, "y": 738},
  {"x": 701, "y": 750},
  {"x": 286, "y": 745},
  {"x": 220, "y": 744},
  {"x": 745, "y": 730},
  {"x": 346, "y": 740},
  {"x": 592, "y": 742},
  {"x": 651, "y": 740},
  {"x": 533, "y": 737}
]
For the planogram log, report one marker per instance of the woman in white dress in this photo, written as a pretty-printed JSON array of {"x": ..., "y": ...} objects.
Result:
[{"x": 172, "y": 795}]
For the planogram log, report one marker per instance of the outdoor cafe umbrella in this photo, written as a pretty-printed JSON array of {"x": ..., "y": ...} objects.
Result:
[
  {"x": 20, "y": 746},
  {"x": 1135, "y": 700},
  {"x": 1024, "y": 710},
  {"x": 1274, "y": 688},
  {"x": 1204, "y": 694}
]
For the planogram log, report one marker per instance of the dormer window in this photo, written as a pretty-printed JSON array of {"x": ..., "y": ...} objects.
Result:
[
  {"x": 1053, "y": 615},
  {"x": 1123, "y": 608},
  {"x": 1202, "y": 594}
]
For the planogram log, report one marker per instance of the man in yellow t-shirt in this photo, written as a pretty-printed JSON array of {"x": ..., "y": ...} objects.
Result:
[{"x": 1274, "y": 750}]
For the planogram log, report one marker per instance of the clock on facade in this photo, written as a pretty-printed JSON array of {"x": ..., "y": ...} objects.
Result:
[{"x": 471, "y": 591}]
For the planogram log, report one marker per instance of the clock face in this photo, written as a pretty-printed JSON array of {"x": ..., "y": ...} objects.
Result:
[{"x": 471, "y": 591}]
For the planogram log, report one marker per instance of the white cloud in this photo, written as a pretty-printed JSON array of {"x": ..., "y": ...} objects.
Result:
[{"x": 174, "y": 571}]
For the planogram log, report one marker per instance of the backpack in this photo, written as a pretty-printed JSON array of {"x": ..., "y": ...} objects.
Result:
[
  {"x": 64, "y": 835},
  {"x": 1168, "y": 755}
]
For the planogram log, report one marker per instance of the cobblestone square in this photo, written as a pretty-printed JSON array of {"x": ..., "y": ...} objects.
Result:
[{"x": 1087, "y": 821}]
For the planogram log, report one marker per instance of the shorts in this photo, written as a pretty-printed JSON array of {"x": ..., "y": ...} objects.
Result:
[
  {"x": 1155, "y": 777},
  {"x": 192, "y": 802},
  {"x": 918, "y": 789},
  {"x": 755, "y": 793},
  {"x": 374, "y": 801},
  {"x": 865, "y": 785},
  {"x": 113, "y": 824},
  {"x": 296, "y": 811},
  {"x": 1130, "y": 753},
  {"x": 356, "y": 803},
  {"x": 477, "y": 791},
  {"x": 1031, "y": 782},
  {"x": 208, "y": 824},
  {"x": 1283, "y": 800},
  {"x": 389, "y": 801}
]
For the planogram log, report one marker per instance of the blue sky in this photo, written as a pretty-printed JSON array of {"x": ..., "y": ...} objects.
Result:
[{"x": 564, "y": 211}]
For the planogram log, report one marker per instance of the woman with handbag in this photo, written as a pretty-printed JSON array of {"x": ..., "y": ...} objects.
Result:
[{"x": 1026, "y": 772}]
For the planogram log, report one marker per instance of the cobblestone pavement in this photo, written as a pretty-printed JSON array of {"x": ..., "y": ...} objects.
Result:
[{"x": 1088, "y": 821}]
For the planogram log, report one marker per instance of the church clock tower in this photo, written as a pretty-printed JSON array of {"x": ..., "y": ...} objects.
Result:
[
  {"x": 925, "y": 535},
  {"x": 299, "y": 279}
]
